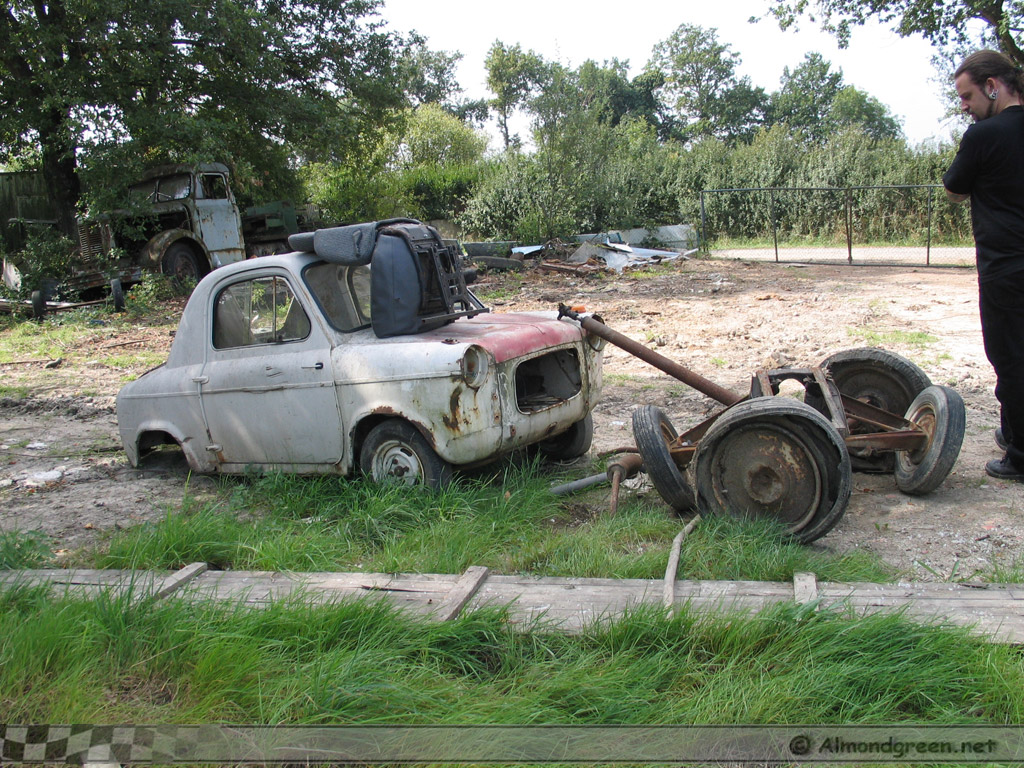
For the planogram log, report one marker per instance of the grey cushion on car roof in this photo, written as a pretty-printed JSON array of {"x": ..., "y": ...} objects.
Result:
[
  {"x": 301, "y": 241},
  {"x": 350, "y": 245}
]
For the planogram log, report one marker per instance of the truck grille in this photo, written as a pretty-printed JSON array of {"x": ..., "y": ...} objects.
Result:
[
  {"x": 548, "y": 380},
  {"x": 90, "y": 241}
]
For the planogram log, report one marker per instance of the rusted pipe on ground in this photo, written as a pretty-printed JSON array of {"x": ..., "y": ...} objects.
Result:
[
  {"x": 622, "y": 468},
  {"x": 595, "y": 326},
  {"x": 579, "y": 485}
]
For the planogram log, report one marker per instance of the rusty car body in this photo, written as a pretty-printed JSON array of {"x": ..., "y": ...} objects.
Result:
[{"x": 275, "y": 366}]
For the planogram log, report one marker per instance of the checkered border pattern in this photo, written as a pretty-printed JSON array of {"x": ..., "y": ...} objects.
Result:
[{"x": 78, "y": 744}]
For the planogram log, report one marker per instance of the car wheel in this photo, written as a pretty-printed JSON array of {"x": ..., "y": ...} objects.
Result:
[
  {"x": 181, "y": 264},
  {"x": 395, "y": 452},
  {"x": 877, "y": 377},
  {"x": 572, "y": 443},
  {"x": 940, "y": 412},
  {"x": 654, "y": 432}
]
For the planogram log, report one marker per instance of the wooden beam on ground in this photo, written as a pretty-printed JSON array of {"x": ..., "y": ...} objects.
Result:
[{"x": 462, "y": 592}]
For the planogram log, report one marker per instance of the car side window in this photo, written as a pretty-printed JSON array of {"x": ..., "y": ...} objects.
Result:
[
  {"x": 342, "y": 292},
  {"x": 214, "y": 187},
  {"x": 263, "y": 310}
]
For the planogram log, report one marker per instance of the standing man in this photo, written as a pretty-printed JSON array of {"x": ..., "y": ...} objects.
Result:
[{"x": 989, "y": 170}]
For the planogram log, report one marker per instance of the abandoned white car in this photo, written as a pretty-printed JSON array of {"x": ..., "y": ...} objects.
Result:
[{"x": 363, "y": 349}]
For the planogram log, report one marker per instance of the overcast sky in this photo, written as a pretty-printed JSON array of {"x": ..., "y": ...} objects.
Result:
[{"x": 897, "y": 71}]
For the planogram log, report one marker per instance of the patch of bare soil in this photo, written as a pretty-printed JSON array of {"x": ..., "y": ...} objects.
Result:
[{"x": 63, "y": 471}]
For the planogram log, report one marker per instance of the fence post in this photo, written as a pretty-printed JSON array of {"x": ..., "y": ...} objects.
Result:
[
  {"x": 849, "y": 226},
  {"x": 775, "y": 225},
  {"x": 928, "y": 242},
  {"x": 703, "y": 225}
]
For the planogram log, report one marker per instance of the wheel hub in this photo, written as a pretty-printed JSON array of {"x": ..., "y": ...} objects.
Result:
[
  {"x": 395, "y": 462},
  {"x": 766, "y": 469}
]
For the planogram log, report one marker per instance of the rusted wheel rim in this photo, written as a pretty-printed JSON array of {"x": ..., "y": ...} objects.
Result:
[
  {"x": 766, "y": 469},
  {"x": 396, "y": 462}
]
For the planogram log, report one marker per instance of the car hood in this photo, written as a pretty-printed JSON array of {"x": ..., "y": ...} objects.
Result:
[{"x": 505, "y": 336}]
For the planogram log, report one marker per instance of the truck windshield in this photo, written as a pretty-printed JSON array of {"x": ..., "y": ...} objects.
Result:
[{"x": 176, "y": 187}]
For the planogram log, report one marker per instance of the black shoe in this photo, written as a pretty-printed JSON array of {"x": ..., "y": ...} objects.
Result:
[
  {"x": 1000, "y": 440},
  {"x": 1004, "y": 469}
]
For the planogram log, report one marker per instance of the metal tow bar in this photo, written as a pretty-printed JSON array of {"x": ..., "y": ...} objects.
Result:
[{"x": 790, "y": 460}]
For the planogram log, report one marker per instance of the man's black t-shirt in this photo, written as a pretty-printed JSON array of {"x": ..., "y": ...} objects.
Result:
[{"x": 989, "y": 166}]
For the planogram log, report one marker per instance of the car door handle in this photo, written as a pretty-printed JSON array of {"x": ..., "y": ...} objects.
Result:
[{"x": 315, "y": 367}]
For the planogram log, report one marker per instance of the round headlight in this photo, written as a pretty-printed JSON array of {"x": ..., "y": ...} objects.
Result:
[{"x": 474, "y": 366}]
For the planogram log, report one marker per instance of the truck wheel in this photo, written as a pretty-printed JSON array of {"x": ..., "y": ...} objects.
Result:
[
  {"x": 877, "y": 377},
  {"x": 572, "y": 443},
  {"x": 38, "y": 305},
  {"x": 181, "y": 264},
  {"x": 394, "y": 452},
  {"x": 117, "y": 294}
]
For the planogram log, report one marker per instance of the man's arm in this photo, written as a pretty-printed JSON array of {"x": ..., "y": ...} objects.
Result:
[{"x": 955, "y": 197}]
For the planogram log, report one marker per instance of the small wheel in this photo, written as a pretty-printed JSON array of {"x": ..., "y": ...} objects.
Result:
[
  {"x": 117, "y": 294},
  {"x": 181, "y": 263},
  {"x": 940, "y": 412},
  {"x": 877, "y": 377},
  {"x": 572, "y": 443},
  {"x": 38, "y": 305},
  {"x": 395, "y": 452},
  {"x": 653, "y": 432},
  {"x": 776, "y": 458}
]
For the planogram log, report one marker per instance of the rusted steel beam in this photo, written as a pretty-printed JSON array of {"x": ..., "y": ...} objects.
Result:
[{"x": 595, "y": 326}]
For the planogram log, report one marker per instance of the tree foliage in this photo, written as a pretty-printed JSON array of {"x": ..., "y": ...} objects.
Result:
[
  {"x": 172, "y": 77},
  {"x": 942, "y": 23},
  {"x": 513, "y": 75},
  {"x": 703, "y": 88},
  {"x": 814, "y": 100}
]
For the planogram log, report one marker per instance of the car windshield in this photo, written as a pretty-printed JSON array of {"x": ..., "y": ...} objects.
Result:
[{"x": 342, "y": 292}]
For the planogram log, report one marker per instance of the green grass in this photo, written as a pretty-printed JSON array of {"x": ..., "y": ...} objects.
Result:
[
  {"x": 15, "y": 392},
  {"x": 115, "y": 659},
  {"x": 509, "y": 523},
  {"x": 881, "y": 338}
]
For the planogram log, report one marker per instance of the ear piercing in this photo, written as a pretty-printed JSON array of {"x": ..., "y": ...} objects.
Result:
[{"x": 993, "y": 94}]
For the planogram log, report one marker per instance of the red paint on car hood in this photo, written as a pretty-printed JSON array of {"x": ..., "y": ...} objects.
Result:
[{"x": 509, "y": 335}]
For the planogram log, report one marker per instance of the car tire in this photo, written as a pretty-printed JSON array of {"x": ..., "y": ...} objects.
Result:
[
  {"x": 395, "y": 452},
  {"x": 572, "y": 443},
  {"x": 181, "y": 264},
  {"x": 880, "y": 378},
  {"x": 940, "y": 412},
  {"x": 653, "y": 432}
]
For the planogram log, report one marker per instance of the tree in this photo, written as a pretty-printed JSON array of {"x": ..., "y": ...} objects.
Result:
[
  {"x": 160, "y": 74},
  {"x": 512, "y": 76},
  {"x": 702, "y": 87},
  {"x": 814, "y": 100},
  {"x": 434, "y": 137},
  {"x": 806, "y": 95},
  {"x": 942, "y": 23},
  {"x": 853, "y": 107}
]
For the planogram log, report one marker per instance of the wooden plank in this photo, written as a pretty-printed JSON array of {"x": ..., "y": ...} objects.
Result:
[
  {"x": 177, "y": 580},
  {"x": 462, "y": 592},
  {"x": 805, "y": 587}
]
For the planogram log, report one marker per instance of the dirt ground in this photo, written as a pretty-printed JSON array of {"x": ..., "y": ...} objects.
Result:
[{"x": 64, "y": 474}]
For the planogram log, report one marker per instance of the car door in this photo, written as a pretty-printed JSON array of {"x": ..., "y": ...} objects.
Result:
[{"x": 267, "y": 389}]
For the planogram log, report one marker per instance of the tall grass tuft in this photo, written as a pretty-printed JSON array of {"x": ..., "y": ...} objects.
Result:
[
  {"x": 125, "y": 660},
  {"x": 509, "y": 522}
]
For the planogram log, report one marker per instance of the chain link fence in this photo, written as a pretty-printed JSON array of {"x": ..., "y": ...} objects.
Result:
[{"x": 884, "y": 225}]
